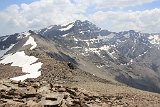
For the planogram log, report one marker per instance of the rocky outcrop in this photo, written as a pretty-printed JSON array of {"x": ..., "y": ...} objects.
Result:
[{"x": 41, "y": 93}]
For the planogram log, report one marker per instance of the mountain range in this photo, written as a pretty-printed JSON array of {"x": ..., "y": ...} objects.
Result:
[{"x": 80, "y": 52}]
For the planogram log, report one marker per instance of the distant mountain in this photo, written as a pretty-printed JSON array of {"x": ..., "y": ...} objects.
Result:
[{"x": 60, "y": 51}]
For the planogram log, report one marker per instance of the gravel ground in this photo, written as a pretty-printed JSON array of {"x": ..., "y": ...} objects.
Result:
[{"x": 132, "y": 97}]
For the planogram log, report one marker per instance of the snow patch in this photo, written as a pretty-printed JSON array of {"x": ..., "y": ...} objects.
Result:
[
  {"x": 67, "y": 28},
  {"x": 31, "y": 41},
  {"x": 4, "y": 38},
  {"x": 19, "y": 37},
  {"x": 100, "y": 66},
  {"x": 2, "y": 52},
  {"x": 87, "y": 43},
  {"x": 143, "y": 53},
  {"x": 84, "y": 54},
  {"x": 50, "y": 27},
  {"x": 23, "y": 34},
  {"x": 94, "y": 40},
  {"x": 64, "y": 35},
  {"x": 105, "y": 37},
  {"x": 127, "y": 35},
  {"x": 26, "y": 34},
  {"x": 75, "y": 39},
  {"x": 81, "y": 32},
  {"x": 98, "y": 50},
  {"x": 105, "y": 47},
  {"x": 27, "y": 63},
  {"x": 77, "y": 47},
  {"x": 131, "y": 61},
  {"x": 154, "y": 39},
  {"x": 95, "y": 50}
]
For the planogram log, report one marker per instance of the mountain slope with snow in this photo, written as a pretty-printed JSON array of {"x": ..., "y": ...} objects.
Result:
[
  {"x": 80, "y": 51},
  {"x": 39, "y": 58},
  {"x": 29, "y": 64},
  {"x": 130, "y": 57}
]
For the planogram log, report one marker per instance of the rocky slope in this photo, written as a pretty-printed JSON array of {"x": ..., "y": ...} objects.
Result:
[
  {"x": 41, "y": 93},
  {"x": 40, "y": 59}
]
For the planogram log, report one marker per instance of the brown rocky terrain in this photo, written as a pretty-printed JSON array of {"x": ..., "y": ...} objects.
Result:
[
  {"x": 60, "y": 72},
  {"x": 10, "y": 71},
  {"x": 95, "y": 94},
  {"x": 39, "y": 94}
]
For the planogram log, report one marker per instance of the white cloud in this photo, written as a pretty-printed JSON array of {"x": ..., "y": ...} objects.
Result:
[
  {"x": 100, "y": 4},
  {"x": 145, "y": 21},
  {"x": 41, "y": 13},
  {"x": 38, "y": 14},
  {"x": 122, "y": 3}
]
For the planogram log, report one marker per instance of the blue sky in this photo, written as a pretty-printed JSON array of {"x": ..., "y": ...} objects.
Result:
[
  {"x": 6, "y": 3},
  {"x": 91, "y": 9},
  {"x": 146, "y": 6},
  {"x": 113, "y": 15},
  {"x": 155, "y": 4}
]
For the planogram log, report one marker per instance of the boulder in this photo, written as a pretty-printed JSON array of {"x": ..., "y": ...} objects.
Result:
[
  {"x": 44, "y": 89},
  {"x": 3, "y": 87},
  {"x": 53, "y": 99},
  {"x": 61, "y": 90},
  {"x": 71, "y": 65},
  {"x": 32, "y": 103}
]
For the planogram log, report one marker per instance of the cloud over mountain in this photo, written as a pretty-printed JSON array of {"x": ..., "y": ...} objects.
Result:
[{"x": 40, "y": 13}]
